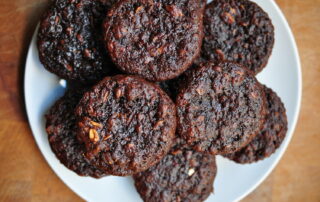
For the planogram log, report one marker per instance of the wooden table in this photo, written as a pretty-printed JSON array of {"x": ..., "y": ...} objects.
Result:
[{"x": 25, "y": 175}]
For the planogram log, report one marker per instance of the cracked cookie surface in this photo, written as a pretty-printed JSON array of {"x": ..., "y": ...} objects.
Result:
[
  {"x": 221, "y": 107},
  {"x": 70, "y": 40},
  {"x": 182, "y": 175},
  {"x": 155, "y": 39},
  {"x": 238, "y": 31},
  {"x": 60, "y": 126},
  {"x": 126, "y": 123},
  {"x": 270, "y": 137}
]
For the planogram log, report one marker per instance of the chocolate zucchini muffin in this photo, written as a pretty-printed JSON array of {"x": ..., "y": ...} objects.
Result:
[
  {"x": 238, "y": 31},
  {"x": 155, "y": 39},
  {"x": 60, "y": 126},
  {"x": 270, "y": 137},
  {"x": 69, "y": 40},
  {"x": 221, "y": 108},
  {"x": 126, "y": 123},
  {"x": 182, "y": 175}
]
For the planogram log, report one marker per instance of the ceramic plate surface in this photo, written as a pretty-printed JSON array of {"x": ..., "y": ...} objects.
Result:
[{"x": 233, "y": 181}]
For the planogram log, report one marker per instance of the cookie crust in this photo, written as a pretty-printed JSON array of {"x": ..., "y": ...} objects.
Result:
[
  {"x": 270, "y": 137},
  {"x": 70, "y": 40},
  {"x": 126, "y": 123},
  {"x": 238, "y": 31},
  {"x": 221, "y": 108},
  {"x": 60, "y": 126},
  {"x": 155, "y": 39},
  {"x": 183, "y": 175}
]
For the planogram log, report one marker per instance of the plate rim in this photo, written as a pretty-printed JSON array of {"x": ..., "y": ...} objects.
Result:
[{"x": 274, "y": 163}]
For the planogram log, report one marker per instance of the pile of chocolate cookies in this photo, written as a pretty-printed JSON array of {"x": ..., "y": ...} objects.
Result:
[{"x": 157, "y": 88}]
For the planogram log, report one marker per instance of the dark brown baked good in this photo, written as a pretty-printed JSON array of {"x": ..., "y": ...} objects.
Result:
[
  {"x": 221, "y": 108},
  {"x": 238, "y": 31},
  {"x": 60, "y": 126},
  {"x": 270, "y": 137},
  {"x": 155, "y": 39},
  {"x": 183, "y": 175},
  {"x": 69, "y": 40},
  {"x": 127, "y": 124}
]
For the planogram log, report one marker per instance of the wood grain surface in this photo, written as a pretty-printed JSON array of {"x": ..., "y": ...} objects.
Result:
[{"x": 25, "y": 175}]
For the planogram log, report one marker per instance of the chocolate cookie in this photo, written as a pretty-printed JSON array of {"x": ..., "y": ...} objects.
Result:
[
  {"x": 221, "y": 108},
  {"x": 69, "y": 40},
  {"x": 127, "y": 124},
  {"x": 60, "y": 126},
  {"x": 238, "y": 31},
  {"x": 182, "y": 175},
  {"x": 156, "y": 39},
  {"x": 270, "y": 137}
]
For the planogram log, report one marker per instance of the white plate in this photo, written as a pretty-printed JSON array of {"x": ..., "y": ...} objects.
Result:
[{"x": 233, "y": 181}]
